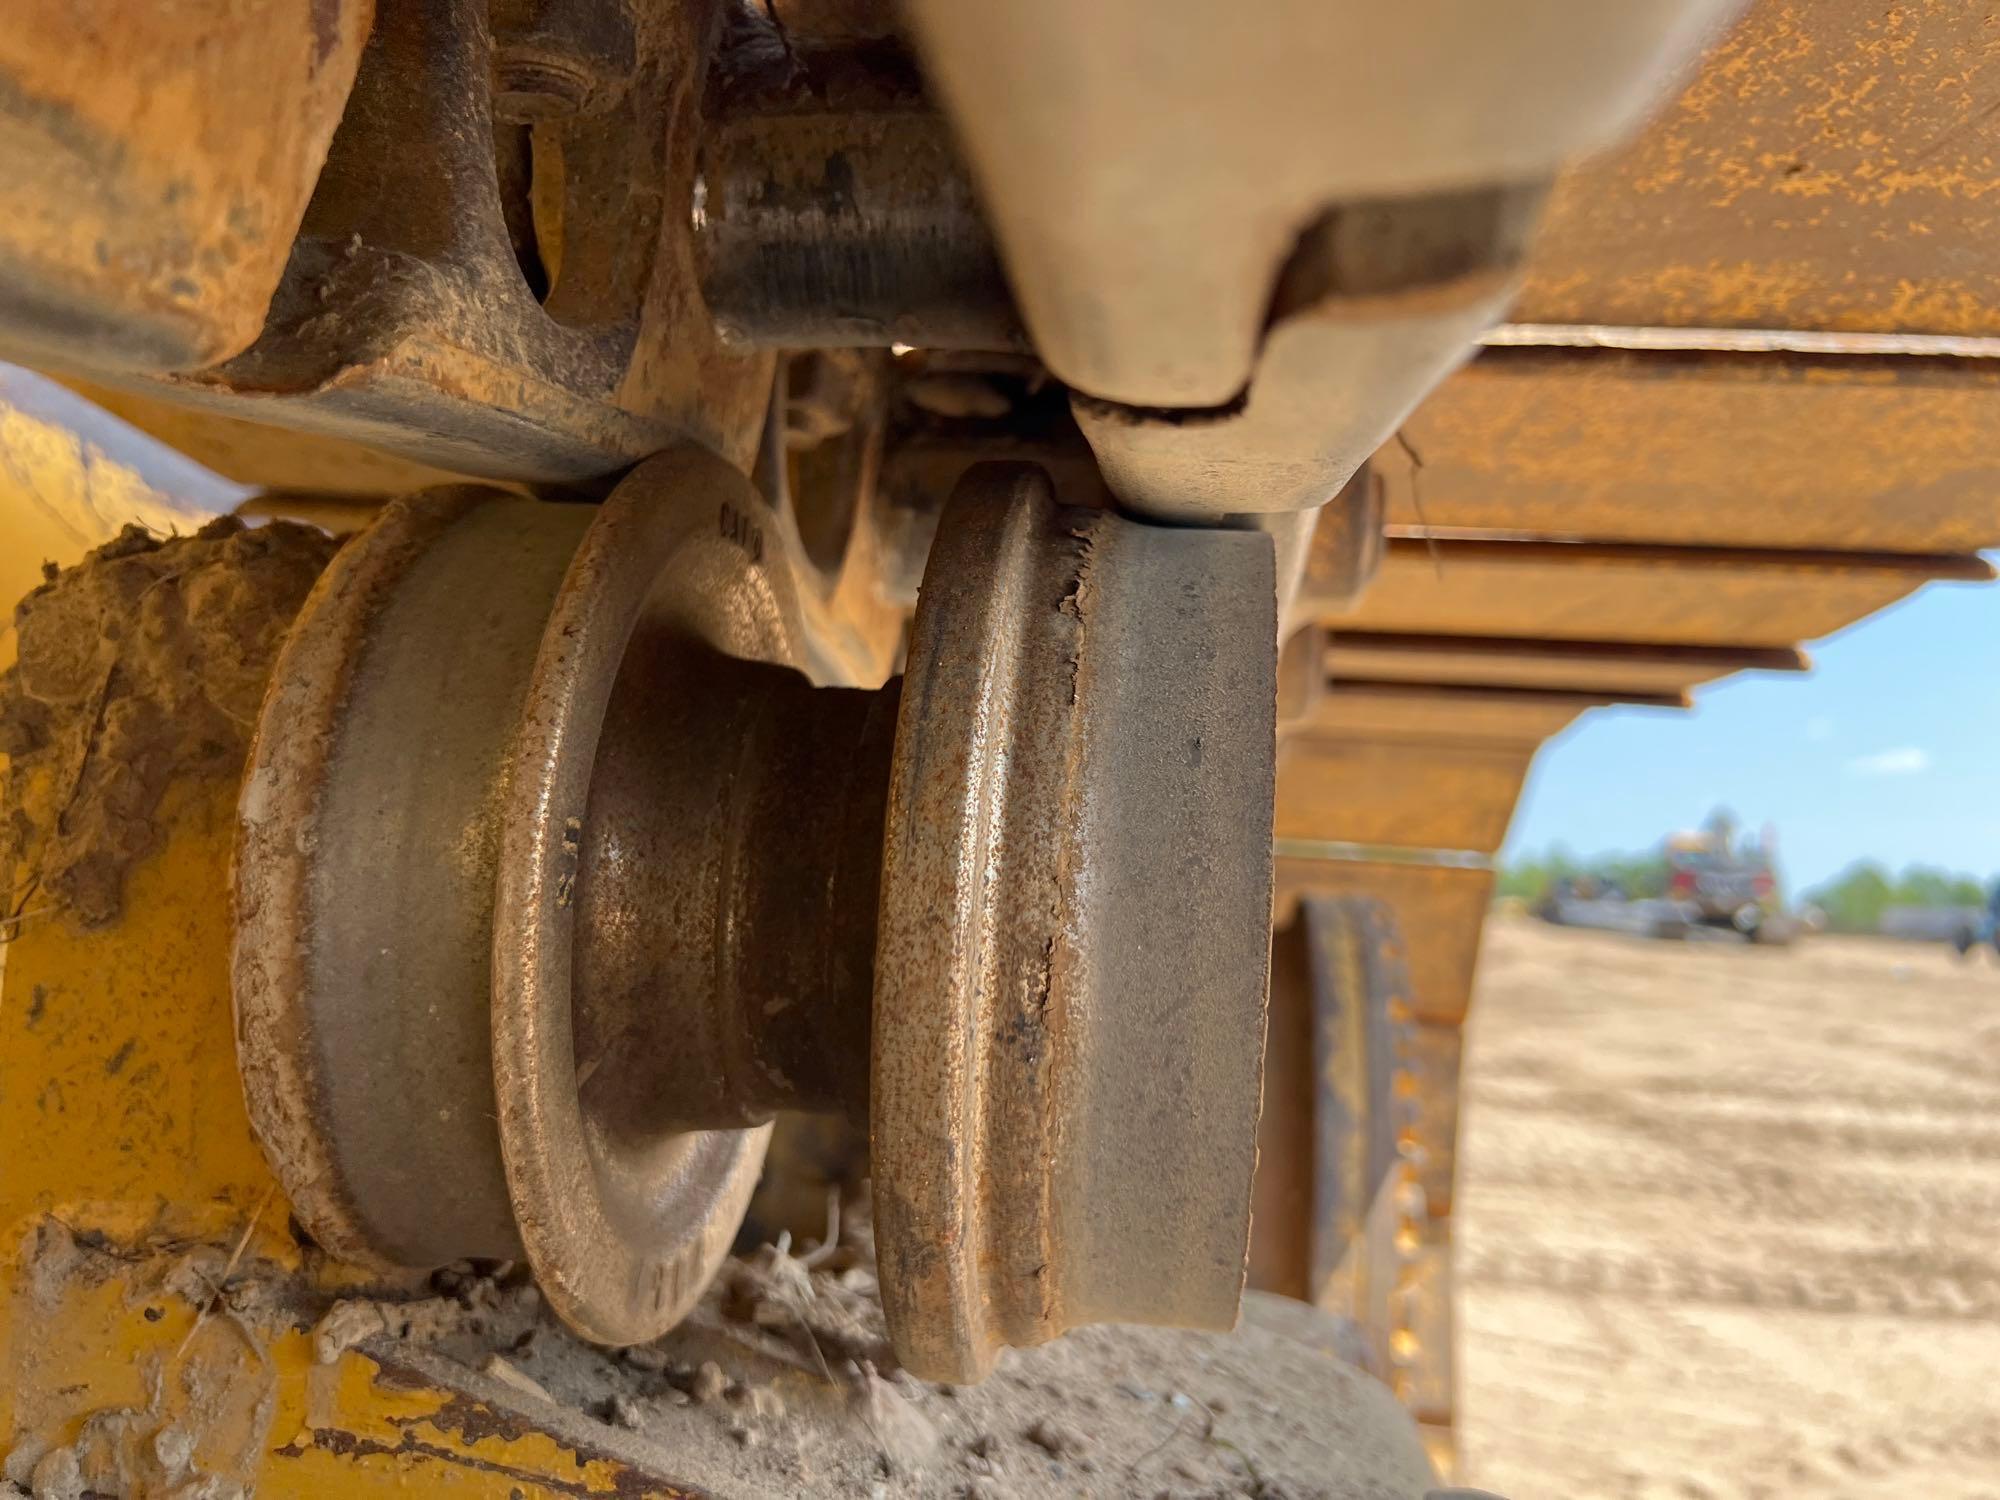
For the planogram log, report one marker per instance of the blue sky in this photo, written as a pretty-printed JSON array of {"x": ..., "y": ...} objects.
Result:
[{"x": 1888, "y": 749}]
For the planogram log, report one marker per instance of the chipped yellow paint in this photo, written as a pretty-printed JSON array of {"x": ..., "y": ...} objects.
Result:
[
  {"x": 121, "y": 1358},
  {"x": 118, "y": 1087},
  {"x": 110, "y": 1340},
  {"x": 124, "y": 1122},
  {"x": 131, "y": 1186},
  {"x": 355, "y": 1429}
]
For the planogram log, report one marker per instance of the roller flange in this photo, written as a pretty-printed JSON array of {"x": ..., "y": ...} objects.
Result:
[{"x": 558, "y": 877}]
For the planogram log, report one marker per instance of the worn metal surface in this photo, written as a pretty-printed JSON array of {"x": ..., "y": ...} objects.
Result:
[
  {"x": 1065, "y": 1089},
  {"x": 1831, "y": 166},
  {"x": 364, "y": 1045},
  {"x": 1155, "y": 297},
  {"x": 533, "y": 765},
  {"x": 560, "y": 344},
  {"x": 158, "y": 160},
  {"x": 1608, "y": 668},
  {"x": 624, "y": 1211},
  {"x": 519, "y": 885},
  {"x": 1671, "y": 595},
  {"x": 1741, "y": 450},
  {"x": 1378, "y": 301},
  {"x": 832, "y": 209}
]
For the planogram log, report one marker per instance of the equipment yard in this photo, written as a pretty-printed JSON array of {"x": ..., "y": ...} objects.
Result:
[{"x": 1726, "y": 1219}]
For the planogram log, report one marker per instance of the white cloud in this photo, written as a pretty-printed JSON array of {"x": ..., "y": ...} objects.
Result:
[{"x": 1904, "y": 760}]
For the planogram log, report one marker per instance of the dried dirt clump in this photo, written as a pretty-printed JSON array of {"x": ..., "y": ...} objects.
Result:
[{"x": 143, "y": 663}]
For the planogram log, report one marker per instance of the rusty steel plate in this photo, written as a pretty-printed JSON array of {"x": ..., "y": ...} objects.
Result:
[
  {"x": 1482, "y": 714},
  {"x": 1832, "y": 165},
  {"x": 1410, "y": 767},
  {"x": 1409, "y": 793},
  {"x": 1740, "y": 450},
  {"x": 1071, "y": 958},
  {"x": 1608, "y": 668},
  {"x": 1674, "y": 595}
]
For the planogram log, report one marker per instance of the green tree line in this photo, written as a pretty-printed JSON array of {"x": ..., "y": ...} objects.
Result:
[
  {"x": 1637, "y": 875},
  {"x": 1855, "y": 899}
]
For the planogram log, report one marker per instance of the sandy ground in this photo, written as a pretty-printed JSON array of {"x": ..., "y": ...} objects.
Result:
[{"x": 1730, "y": 1220}]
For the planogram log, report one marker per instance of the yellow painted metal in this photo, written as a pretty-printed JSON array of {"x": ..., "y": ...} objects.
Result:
[
  {"x": 1742, "y": 450},
  {"x": 132, "y": 1188},
  {"x": 1409, "y": 793},
  {"x": 355, "y": 1431},
  {"x": 1657, "y": 595},
  {"x": 118, "y": 1088},
  {"x": 1610, "y": 668},
  {"x": 274, "y": 458}
]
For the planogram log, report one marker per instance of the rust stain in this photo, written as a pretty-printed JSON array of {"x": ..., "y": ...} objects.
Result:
[
  {"x": 1743, "y": 450},
  {"x": 1831, "y": 166}
]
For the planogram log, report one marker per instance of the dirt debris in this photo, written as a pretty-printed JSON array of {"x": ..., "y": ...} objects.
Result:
[
  {"x": 743, "y": 1402},
  {"x": 709, "y": 1383},
  {"x": 121, "y": 1451},
  {"x": 1725, "y": 1219},
  {"x": 144, "y": 662},
  {"x": 908, "y": 1439},
  {"x": 621, "y": 1411},
  {"x": 1053, "y": 1438},
  {"x": 756, "y": 1394},
  {"x": 59, "y": 1476},
  {"x": 510, "y": 1374}
]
